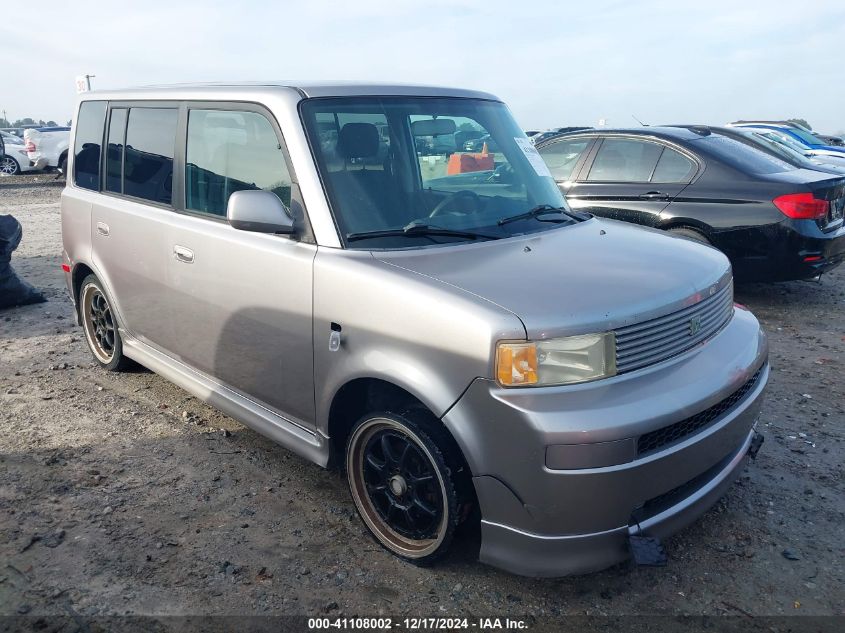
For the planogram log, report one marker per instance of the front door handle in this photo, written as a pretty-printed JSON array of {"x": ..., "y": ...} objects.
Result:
[
  {"x": 102, "y": 228},
  {"x": 183, "y": 254},
  {"x": 654, "y": 195}
]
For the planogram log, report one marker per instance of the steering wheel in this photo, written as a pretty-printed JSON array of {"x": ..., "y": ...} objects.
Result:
[{"x": 463, "y": 193}]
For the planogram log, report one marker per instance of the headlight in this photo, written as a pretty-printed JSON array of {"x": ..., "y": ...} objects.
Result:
[{"x": 557, "y": 361}]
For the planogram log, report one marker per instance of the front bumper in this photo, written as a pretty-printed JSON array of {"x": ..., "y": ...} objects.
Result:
[{"x": 540, "y": 521}]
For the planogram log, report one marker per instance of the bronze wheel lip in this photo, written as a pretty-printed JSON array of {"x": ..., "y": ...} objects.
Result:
[
  {"x": 89, "y": 293},
  {"x": 390, "y": 538}
]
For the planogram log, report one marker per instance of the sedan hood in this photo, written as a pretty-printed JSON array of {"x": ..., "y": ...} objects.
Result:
[{"x": 593, "y": 276}]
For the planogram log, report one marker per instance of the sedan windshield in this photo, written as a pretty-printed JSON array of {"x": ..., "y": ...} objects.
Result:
[{"x": 456, "y": 167}]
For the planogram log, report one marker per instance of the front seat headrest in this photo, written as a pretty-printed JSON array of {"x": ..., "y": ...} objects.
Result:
[{"x": 358, "y": 140}]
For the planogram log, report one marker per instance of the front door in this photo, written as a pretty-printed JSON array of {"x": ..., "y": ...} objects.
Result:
[{"x": 240, "y": 302}]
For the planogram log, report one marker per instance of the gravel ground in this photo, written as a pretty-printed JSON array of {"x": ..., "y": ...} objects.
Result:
[{"x": 122, "y": 494}]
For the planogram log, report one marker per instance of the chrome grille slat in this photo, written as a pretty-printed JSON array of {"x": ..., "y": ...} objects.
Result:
[
  {"x": 632, "y": 329},
  {"x": 671, "y": 330},
  {"x": 678, "y": 334},
  {"x": 659, "y": 339}
]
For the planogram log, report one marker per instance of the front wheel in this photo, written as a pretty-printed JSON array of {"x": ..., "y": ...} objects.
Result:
[
  {"x": 9, "y": 166},
  {"x": 403, "y": 484}
]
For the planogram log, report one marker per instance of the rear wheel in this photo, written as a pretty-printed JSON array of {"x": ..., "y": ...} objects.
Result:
[
  {"x": 9, "y": 166},
  {"x": 63, "y": 164},
  {"x": 100, "y": 325},
  {"x": 690, "y": 234},
  {"x": 403, "y": 483}
]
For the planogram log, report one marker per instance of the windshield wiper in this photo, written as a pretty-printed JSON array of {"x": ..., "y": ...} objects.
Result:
[
  {"x": 536, "y": 212},
  {"x": 415, "y": 229}
]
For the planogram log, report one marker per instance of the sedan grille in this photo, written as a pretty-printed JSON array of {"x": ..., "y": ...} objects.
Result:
[
  {"x": 662, "y": 338},
  {"x": 661, "y": 438}
]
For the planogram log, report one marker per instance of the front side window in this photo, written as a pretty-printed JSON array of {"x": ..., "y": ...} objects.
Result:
[
  {"x": 625, "y": 160},
  {"x": 561, "y": 157},
  {"x": 148, "y": 154},
  {"x": 229, "y": 151},
  {"x": 401, "y": 165},
  {"x": 86, "y": 145}
]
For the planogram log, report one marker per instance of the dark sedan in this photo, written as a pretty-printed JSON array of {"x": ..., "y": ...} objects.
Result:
[{"x": 774, "y": 220}]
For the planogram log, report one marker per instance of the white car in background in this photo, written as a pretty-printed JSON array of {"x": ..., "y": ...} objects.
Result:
[
  {"x": 47, "y": 146},
  {"x": 16, "y": 159}
]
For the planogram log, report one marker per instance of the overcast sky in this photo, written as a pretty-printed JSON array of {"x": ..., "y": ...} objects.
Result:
[{"x": 555, "y": 63}]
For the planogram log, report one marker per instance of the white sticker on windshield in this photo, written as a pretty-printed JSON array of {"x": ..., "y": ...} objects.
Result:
[{"x": 533, "y": 156}]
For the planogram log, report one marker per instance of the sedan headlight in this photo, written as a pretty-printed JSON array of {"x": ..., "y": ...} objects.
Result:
[{"x": 557, "y": 361}]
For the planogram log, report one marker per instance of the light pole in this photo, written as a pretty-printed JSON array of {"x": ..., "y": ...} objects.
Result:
[{"x": 88, "y": 81}]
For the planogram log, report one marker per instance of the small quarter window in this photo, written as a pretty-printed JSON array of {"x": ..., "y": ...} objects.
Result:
[
  {"x": 148, "y": 154},
  {"x": 231, "y": 151},
  {"x": 114, "y": 150},
  {"x": 86, "y": 146},
  {"x": 673, "y": 167}
]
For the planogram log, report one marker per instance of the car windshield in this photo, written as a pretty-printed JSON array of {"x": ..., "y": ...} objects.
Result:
[
  {"x": 421, "y": 171},
  {"x": 808, "y": 138}
]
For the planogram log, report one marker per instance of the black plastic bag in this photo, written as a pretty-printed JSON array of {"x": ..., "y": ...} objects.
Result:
[{"x": 13, "y": 291}]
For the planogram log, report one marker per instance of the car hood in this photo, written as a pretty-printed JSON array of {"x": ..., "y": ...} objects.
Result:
[{"x": 593, "y": 276}]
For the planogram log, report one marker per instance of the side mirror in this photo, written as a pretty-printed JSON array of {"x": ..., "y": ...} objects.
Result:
[{"x": 259, "y": 211}]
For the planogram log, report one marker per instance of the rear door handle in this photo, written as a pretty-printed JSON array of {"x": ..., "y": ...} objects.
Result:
[
  {"x": 102, "y": 228},
  {"x": 183, "y": 254},
  {"x": 654, "y": 195}
]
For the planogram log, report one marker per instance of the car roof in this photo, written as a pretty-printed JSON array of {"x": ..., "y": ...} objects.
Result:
[
  {"x": 665, "y": 132},
  {"x": 306, "y": 89}
]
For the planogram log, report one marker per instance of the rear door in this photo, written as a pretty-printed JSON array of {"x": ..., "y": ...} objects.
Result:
[
  {"x": 129, "y": 220},
  {"x": 631, "y": 179}
]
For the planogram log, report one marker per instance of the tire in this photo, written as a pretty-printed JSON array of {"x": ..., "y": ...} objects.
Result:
[
  {"x": 63, "y": 164},
  {"x": 690, "y": 234},
  {"x": 9, "y": 166},
  {"x": 405, "y": 483},
  {"x": 100, "y": 325}
]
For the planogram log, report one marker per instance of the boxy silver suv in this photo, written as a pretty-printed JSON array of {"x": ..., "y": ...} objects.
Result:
[{"x": 438, "y": 321}]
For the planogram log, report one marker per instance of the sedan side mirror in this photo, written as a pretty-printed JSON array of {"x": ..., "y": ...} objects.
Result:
[{"x": 259, "y": 211}]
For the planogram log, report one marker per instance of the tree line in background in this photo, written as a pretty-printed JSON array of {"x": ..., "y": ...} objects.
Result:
[{"x": 29, "y": 121}]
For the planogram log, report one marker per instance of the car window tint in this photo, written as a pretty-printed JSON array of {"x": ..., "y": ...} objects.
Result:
[
  {"x": 114, "y": 150},
  {"x": 673, "y": 167},
  {"x": 625, "y": 160},
  {"x": 148, "y": 155},
  {"x": 561, "y": 157},
  {"x": 740, "y": 156},
  {"x": 86, "y": 146},
  {"x": 231, "y": 151}
]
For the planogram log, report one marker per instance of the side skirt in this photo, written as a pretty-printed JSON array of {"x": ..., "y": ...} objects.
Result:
[{"x": 290, "y": 434}]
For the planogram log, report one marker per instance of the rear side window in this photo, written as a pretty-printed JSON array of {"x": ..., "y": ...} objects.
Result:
[
  {"x": 231, "y": 151},
  {"x": 673, "y": 167},
  {"x": 625, "y": 160},
  {"x": 86, "y": 145},
  {"x": 742, "y": 157},
  {"x": 148, "y": 154},
  {"x": 561, "y": 157}
]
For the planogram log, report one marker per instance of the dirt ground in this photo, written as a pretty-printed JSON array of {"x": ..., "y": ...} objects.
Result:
[{"x": 122, "y": 494}]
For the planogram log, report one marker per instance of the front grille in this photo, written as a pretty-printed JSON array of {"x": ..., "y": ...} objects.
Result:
[
  {"x": 662, "y": 338},
  {"x": 656, "y": 440}
]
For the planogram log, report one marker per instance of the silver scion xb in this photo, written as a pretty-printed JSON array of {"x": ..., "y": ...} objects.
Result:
[{"x": 331, "y": 266}]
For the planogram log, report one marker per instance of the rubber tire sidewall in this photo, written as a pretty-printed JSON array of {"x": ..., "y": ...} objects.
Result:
[
  {"x": 118, "y": 360},
  {"x": 691, "y": 234},
  {"x": 422, "y": 427}
]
